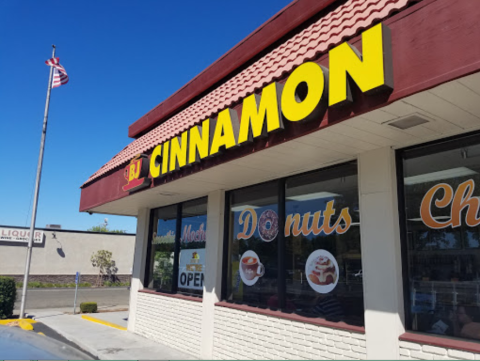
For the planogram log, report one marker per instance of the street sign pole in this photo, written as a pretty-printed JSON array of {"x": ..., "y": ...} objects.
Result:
[{"x": 77, "y": 280}]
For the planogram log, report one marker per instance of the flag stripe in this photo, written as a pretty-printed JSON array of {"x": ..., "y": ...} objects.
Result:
[{"x": 60, "y": 76}]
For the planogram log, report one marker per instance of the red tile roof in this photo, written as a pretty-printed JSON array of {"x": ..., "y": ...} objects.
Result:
[
  {"x": 285, "y": 21},
  {"x": 344, "y": 22}
]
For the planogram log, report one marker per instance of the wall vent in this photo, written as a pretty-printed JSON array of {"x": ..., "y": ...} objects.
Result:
[{"x": 410, "y": 121}]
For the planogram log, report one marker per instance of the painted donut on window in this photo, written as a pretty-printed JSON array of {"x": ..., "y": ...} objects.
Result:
[{"x": 268, "y": 225}]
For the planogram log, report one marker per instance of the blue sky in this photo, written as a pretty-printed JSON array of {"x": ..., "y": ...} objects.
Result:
[{"x": 123, "y": 58}]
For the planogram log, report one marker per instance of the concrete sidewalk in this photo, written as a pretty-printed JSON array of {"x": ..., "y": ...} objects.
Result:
[{"x": 105, "y": 342}]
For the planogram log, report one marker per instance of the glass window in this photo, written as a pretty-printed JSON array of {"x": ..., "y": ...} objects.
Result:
[
  {"x": 163, "y": 249},
  {"x": 192, "y": 247},
  {"x": 322, "y": 239},
  {"x": 442, "y": 202},
  {"x": 252, "y": 251},
  {"x": 177, "y": 261},
  {"x": 294, "y": 245}
]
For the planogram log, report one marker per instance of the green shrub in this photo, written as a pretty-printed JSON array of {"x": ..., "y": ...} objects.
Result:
[
  {"x": 88, "y": 307},
  {"x": 34, "y": 284},
  {"x": 8, "y": 295},
  {"x": 115, "y": 284}
]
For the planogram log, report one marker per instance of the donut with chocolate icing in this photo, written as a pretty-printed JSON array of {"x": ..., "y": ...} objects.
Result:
[{"x": 268, "y": 225}]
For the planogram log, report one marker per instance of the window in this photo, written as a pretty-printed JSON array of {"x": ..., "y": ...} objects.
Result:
[
  {"x": 294, "y": 245},
  {"x": 253, "y": 248},
  {"x": 163, "y": 248},
  {"x": 192, "y": 247},
  {"x": 176, "y": 253},
  {"x": 323, "y": 257},
  {"x": 441, "y": 234}
]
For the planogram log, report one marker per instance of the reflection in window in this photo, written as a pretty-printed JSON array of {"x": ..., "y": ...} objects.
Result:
[
  {"x": 321, "y": 260},
  {"x": 163, "y": 248},
  {"x": 177, "y": 261},
  {"x": 438, "y": 239},
  {"x": 252, "y": 273},
  {"x": 472, "y": 238},
  {"x": 192, "y": 247},
  {"x": 443, "y": 252}
]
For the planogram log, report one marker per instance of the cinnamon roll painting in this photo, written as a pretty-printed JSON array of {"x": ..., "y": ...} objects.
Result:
[{"x": 322, "y": 271}]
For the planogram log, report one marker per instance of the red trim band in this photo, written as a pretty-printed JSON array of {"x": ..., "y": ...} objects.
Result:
[
  {"x": 176, "y": 295},
  {"x": 441, "y": 342},
  {"x": 421, "y": 36},
  {"x": 293, "y": 317}
]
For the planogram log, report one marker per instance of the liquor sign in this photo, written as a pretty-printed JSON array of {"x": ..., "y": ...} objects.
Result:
[{"x": 20, "y": 235}]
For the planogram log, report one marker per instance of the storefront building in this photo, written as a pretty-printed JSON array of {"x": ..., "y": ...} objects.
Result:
[{"x": 311, "y": 195}]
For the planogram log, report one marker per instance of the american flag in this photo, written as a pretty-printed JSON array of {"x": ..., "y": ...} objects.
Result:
[{"x": 60, "y": 76}]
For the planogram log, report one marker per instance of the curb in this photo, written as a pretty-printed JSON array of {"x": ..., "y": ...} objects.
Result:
[
  {"x": 102, "y": 322},
  {"x": 24, "y": 323}
]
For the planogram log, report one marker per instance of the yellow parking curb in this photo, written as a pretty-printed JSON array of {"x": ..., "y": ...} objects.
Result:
[
  {"x": 24, "y": 325},
  {"x": 14, "y": 322},
  {"x": 105, "y": 323},
  {"x": 41, "y": 333}
]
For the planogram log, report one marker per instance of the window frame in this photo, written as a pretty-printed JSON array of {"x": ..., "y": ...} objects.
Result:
[
  {"x": 177, "y": 248},
  {"x": 416, "y": 151},
  {"x": 281, "y": 196}
]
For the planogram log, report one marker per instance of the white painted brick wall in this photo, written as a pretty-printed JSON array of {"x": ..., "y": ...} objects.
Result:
[
  {"x": 171, "y": 321},
  {"x": 416, "y": 351},
  {"x": 245, "y": 336}
]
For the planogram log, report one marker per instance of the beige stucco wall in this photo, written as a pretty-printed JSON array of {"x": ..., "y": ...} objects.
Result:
[{"x": 77, "y": 248}]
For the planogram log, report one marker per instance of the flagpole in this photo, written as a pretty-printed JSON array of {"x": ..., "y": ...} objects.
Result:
[{"x": 35, "y": 199}]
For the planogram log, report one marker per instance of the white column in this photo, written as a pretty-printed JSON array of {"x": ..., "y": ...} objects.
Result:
[
  {"x": 141, "y": 241},
  {"x": 213, "y": 268},
  {"x": 381, "y": 256}
]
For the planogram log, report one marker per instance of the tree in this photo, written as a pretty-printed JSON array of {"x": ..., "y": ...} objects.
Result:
[
  {"x": 105, "y": 264},
  {"x": 104, "y": 228},
  {"x": 163, "y": 269}
]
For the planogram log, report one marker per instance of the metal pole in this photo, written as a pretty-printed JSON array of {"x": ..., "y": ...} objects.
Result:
[
  {"x": 77, "y": 281},
  {"x": 35, "y": 199},
  {"x": 75, "y": 300}
]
